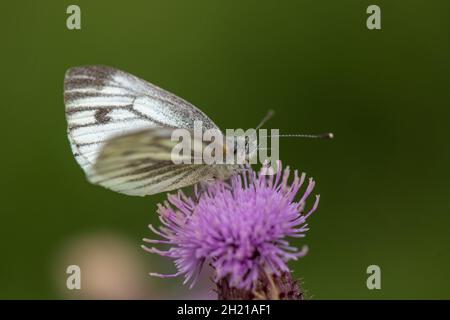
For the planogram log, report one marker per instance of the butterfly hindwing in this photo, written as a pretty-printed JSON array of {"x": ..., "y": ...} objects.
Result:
[{"x": 142, "y": 163}]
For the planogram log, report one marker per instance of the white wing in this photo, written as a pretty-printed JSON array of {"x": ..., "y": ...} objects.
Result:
[
  {"x": 103, "y": 102},
  {"x": 141, "y": 164}
]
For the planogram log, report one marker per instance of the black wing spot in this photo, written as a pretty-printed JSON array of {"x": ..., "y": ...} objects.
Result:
[{"x": 101, "y": 115}]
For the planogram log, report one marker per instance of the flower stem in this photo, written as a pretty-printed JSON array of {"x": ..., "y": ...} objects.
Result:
[{"x": 271, "y": 287}]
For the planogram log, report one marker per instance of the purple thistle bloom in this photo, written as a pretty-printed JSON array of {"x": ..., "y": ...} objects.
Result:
[{"x": 239, "y": 227}]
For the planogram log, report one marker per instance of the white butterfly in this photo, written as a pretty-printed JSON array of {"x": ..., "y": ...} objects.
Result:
[{"x": 120, "y": 126}]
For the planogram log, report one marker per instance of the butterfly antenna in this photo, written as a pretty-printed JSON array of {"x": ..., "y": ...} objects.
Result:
[
  {"x": 269, "y": 115},
  {"x": 328, "y": 135}
]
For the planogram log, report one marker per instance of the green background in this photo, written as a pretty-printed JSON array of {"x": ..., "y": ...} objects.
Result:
[{"x": 384, "y": 179}]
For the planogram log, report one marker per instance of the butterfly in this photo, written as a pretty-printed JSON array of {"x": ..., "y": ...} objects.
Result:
[{"x": 120, "y": 128}]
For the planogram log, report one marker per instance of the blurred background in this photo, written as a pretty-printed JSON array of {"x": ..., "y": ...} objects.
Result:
[{"x": 383, "y": 180}]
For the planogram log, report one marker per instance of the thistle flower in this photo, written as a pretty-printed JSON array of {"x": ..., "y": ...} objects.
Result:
[{"x": 240, "y": 228}]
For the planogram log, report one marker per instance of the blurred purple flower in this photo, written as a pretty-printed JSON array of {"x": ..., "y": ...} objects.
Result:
[{"x": 239, "y": 227}]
